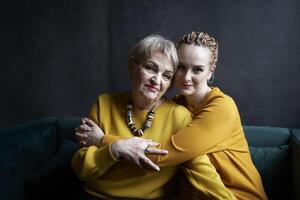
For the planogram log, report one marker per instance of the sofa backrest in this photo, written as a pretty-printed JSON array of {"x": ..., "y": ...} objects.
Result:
[
  {"x": 263, "y": 136},
  {"x": 66, "y": 128},
  {"x": 271, "y": 154}
]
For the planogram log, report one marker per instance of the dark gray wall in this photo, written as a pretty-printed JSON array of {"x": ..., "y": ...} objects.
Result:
[
  {"x": 57, "y": 56},
  {"x": 54, "y": 55}
]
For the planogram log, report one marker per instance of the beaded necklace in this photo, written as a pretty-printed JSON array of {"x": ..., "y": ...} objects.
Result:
[{"x": 130, "y": 123}]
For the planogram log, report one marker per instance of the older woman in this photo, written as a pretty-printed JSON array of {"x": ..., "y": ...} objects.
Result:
[
  {"x": 142, "y": 113},
  {"x": 216, "y": 129}
]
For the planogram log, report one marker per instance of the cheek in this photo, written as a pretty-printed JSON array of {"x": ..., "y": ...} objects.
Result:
[
  {"x": 206, "y": 76},
  {"x": 200, "y": 79},
  {"x": 166, "y": 85},
  {"x": 178, "y": 78},
  {"x": 139, "y": 78},
  {"x": 197, "y": 79}
]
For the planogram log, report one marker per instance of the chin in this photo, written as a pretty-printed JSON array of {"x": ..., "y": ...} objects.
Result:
[
  {"x": 185, "y": 92},
  {"x": 150, "y": 96}
]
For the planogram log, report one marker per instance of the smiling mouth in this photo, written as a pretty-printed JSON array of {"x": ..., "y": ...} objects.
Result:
[
  {"x": 186, "y": 85},
  {"x": 152, "y": 88}
]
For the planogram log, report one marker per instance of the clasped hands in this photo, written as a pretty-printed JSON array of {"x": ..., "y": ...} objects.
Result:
[{"x": 128, "y": 150}]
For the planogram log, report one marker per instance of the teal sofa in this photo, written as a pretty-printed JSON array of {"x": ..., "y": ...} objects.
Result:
[{"x": 35, "y": 160}]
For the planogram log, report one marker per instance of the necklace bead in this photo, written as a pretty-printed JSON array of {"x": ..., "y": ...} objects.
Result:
[{"x": 130, "y": 123}]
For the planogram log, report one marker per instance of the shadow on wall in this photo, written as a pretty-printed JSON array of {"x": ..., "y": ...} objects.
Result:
[{"x": 59, "y": 55}]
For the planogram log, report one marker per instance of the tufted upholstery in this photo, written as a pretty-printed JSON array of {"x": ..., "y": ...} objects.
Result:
[{"x": 36, "y": 160}]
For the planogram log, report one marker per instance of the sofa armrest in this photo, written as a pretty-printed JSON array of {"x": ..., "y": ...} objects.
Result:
[
  {"x": 66, "y": 128},
  {"x": 295, "y": 145}
]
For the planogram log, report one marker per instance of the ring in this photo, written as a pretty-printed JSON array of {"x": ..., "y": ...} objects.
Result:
[{"x": 147, "y": 149}]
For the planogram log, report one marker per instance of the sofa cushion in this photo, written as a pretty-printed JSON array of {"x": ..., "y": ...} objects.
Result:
[
  {"x": 274, "y": 164},
  {"x": 23, "y": 149},
  {"x": 55, "y": 179},
  {"x": 258, "y": 136}
]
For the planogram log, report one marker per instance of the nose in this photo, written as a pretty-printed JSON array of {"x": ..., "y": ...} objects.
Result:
[
  {"x": 155, "y": 79},
  {"x": 187, "y": 76}
]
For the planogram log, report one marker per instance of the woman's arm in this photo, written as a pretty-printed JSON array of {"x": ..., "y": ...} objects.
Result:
[
  {"x": 134, "y": 149},
  {"x": 88, "y": 133},
  {"x": 93, "y": 160},
  {"x": 208, "y": 132},
  {"x": 90, "y": 163}
]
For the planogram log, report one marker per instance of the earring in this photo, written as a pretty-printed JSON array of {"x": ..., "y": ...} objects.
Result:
[{"x": 211, "y": 80}]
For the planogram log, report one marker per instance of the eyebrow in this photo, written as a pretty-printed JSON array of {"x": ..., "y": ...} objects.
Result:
[
  {"x": 168, "y": 71},
  {"x": 150, "y": 61},
  {"x": 198, "y": 66},
  {"x": 180, "y": 63}
]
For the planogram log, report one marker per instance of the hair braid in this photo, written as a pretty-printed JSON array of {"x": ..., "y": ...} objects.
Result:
[{"x": 204, "y": 40}]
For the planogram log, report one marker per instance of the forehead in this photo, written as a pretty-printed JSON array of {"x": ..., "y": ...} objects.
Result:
[
  {"x": 194, "y": 54},
  {"x": 161, "y": 60}
]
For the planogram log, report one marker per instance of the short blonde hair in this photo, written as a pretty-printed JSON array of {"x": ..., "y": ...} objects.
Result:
[
  {"x": 204, "y": 40},
  {"x": 145, "y": 48}
]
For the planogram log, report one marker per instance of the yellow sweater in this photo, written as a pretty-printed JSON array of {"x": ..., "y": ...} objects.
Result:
[
  {"x": 216, "y": 130},
  {"x": 108, "y": 179}
]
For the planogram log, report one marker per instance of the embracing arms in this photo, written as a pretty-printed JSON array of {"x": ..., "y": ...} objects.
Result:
[{"x": 208, "y": 132}]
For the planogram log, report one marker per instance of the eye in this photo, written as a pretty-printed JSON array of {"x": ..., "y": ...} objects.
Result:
[
  {"x": 149, "y": 68},
  {"x": 167, "y": 77},
  {"x": 197, "y": 70}
]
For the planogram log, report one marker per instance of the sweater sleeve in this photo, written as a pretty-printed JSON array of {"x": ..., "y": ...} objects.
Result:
[
  {"x": 94, "y": 113},
  {"x": 203, "y": 180},
  {"x": 209, "y": 132},
  {"x": 90, "y": 163}
]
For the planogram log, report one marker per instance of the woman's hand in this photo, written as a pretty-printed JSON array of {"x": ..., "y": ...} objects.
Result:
[
  {"x": 134, "y": 149},
  {"x": 88, "y": 133}
]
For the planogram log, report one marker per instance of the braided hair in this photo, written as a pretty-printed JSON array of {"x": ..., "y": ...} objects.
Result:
[{"x": 204, "y": 40}]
